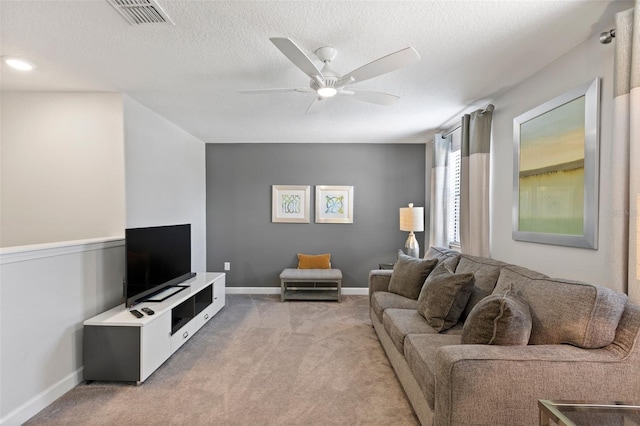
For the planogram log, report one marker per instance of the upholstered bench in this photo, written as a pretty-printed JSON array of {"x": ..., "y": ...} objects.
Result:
[{"x": 310, "y": 284}]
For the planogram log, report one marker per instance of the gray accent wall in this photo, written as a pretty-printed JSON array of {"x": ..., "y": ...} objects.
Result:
[{"x": 385, "y": 177}]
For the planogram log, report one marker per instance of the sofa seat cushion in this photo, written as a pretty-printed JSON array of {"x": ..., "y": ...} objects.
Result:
[
  {"x": 485, "y": 273},
  {"x": 420, "y": 354},
  {"x": 400, "y": 322},
  {"x": 381, "y": 300},
  {"x": 563, "y": 311}
]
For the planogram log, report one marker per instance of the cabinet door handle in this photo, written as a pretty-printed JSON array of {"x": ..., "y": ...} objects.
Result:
[
  {"x": 185, "y": 335},
  {"x": 206, "y": 316}
]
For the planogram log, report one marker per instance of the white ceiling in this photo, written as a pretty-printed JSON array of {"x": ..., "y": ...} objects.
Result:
[{"x": 190, "y": 73}]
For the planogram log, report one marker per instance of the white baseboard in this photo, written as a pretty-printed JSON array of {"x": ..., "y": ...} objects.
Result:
[
  {"x": 42, "y": 400},
  {"x": 347, "y": 291},
  {"x": 355, "y": 291},
  {"x": 252, "y": 290}
]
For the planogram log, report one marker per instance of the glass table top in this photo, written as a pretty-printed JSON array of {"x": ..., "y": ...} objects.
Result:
[{"x": 585, "y": 413}]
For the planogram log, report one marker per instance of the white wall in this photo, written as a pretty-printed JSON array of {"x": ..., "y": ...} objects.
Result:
[
  {"x": 590, "y": 59},
  {"x": 47, "y": 292},
  {"x": 165, "y": 176},
  {"x": 64, "y": 169},
  {"x": 62, "y": 174}
]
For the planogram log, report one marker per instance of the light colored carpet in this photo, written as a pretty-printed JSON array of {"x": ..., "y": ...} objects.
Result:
[{"x": 258, "y": 362}]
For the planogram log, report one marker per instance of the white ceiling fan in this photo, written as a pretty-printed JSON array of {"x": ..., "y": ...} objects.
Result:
[{"x": 327, "y": 83}]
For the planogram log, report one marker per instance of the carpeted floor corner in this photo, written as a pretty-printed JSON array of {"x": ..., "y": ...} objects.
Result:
[{"x": 258, "y": 362}]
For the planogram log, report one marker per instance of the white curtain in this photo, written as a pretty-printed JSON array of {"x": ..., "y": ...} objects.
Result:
[
  {"x": 438, "y": 215},
  {"x": 626, "y": 145},
  {"x": 474, "y": 182}
]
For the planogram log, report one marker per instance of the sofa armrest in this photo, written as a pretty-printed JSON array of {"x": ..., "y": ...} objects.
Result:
[
  {"x": 502, "y": 384},
  {"x": 379, "y": 280}
]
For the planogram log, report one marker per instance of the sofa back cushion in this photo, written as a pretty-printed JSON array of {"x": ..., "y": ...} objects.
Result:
[
  {"x": 485, "y": 272},
  {"x": 563, "y": 311},
  {"x": 440, "y": 253}
]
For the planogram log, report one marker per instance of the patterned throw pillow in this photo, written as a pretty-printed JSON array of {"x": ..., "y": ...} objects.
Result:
[
  {"x": 409, "y": 274},
  {"x": 498, "y": 319}
]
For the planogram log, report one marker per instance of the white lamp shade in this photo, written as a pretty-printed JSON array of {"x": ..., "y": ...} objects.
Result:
[{"x": 412, "y": 219}]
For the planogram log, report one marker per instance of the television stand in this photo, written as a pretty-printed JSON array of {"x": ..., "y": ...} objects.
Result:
[{"x": 117, "y": 346}]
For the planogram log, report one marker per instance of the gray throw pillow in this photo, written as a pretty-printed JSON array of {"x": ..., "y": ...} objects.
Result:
[
  {"x": 443, "y": 297},
  {"x": 409, "y": 274},
  {"x": 498, "y": 319},
  {"x": 446, "y": 266}
]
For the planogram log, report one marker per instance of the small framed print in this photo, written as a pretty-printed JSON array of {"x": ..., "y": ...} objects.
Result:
[
  {"x": 334, "y": 204},
  {"x": 290, "y": 203}
]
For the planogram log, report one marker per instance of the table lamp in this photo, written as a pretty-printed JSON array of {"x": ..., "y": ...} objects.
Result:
[{"x": 412, "y": 220}]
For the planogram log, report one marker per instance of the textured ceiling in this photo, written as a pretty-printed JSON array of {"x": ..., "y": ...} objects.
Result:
[{"x": 191, "y": 73}]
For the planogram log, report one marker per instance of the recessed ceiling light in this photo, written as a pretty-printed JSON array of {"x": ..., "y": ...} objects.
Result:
[{"x": 19, "y": 64}]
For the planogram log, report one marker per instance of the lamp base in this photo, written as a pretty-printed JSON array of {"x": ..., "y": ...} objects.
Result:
[{"x": 411, "y": 246}]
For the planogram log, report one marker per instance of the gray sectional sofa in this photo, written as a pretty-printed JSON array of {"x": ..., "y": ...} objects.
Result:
[{"x": 581, "y": 343}]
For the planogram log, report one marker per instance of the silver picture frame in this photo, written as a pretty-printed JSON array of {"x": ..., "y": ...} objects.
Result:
[{"x": 555, "y": 172}]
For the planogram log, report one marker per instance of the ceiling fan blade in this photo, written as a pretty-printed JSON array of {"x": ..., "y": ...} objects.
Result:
[
  {"x": 317, "y": 104},
  {"x": 378, "y": 98},
  {"x": 386, "y": 64},
  {"x": 283, "y": 90},
  {"x": 296, "y": 55}
]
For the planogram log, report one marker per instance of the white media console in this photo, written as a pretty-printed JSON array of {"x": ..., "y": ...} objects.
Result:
[{"x": 117, "y": 346}]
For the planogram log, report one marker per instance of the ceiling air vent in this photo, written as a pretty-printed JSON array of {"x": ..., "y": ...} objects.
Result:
[{"x": 139, "y": 12}]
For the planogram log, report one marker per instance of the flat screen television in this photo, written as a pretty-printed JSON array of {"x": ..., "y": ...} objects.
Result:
[{"x": 157, "y": 257}]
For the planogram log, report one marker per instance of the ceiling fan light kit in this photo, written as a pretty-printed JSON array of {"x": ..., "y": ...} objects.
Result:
[
  {"x": 326, "y": 92},
  {"x": 327, "y": 83},
  {"x": 19, "y": 63}
]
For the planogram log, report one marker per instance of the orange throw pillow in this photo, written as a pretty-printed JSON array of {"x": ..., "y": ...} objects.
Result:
[{"x": 314, "y": 261}]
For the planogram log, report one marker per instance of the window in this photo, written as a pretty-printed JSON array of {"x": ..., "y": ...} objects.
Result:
[{"x": 453, "y": 189}]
